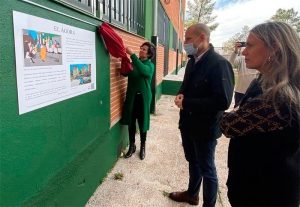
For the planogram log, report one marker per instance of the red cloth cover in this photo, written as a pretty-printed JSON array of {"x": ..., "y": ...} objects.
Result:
[{"x": 115, "y": 46}]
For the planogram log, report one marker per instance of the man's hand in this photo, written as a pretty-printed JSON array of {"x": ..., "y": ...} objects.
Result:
[
  {"x": 237, "y": 47},
  {"x": 178, "y": 101}
]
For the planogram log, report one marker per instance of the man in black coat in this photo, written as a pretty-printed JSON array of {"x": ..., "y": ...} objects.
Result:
[{"x": 205, "y": 93}]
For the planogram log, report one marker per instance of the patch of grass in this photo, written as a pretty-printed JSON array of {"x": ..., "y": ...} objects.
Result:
[
  {"x": 123, "y": 152},
  {"x": 102, "y": 180},
  {"x": 118, "y": 176},
  {"x": 165, "y": 194}
]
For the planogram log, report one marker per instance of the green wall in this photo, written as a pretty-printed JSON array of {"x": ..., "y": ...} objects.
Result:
[
  {"x": 158, "y": 91},
  {"x": 56, "y": 155},
  {"x": 170, "y": 87}
]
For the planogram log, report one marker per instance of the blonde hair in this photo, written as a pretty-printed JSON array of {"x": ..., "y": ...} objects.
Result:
[{"x": 283, "y": 79}]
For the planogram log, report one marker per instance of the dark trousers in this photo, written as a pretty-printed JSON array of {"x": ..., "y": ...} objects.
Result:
[
  {"x": 200, "y": 155},
  {"x": 137, "y": 114},
  {"x": 237, "y": 98}
]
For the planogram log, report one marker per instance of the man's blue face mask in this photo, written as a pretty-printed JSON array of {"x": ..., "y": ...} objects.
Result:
[{"x": 189, "y": 48}]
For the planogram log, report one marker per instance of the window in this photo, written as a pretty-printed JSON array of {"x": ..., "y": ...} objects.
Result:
[
  {"x": 180, "y": 47},
  {"x": 114, "y": 11},
  {"x": 132, "y": 12},
  {"x": 175, "y": 40},
  {"x": 136, "y": 16},
  {"x": 161, "y": 25},
  {"x": 141, "y": 17},
  {"x": 129, "y": 14},
  {"x": 118, "y": 9},
  {"x": 86, "y": 5}
]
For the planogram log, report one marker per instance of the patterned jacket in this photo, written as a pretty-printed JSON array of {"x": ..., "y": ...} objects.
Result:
[{"x": 264, "y": 153}]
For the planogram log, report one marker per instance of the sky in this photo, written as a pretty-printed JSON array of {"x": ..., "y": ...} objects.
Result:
[{"x": 233, "y": 15}]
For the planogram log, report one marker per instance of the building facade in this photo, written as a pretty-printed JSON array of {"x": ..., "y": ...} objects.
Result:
[{"x": 56, "y": 151}]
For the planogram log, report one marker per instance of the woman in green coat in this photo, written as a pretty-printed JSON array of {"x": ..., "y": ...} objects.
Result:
[{"x": 138, "y": 96}]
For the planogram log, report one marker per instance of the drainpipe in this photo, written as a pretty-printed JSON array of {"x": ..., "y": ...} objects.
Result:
[
  {"x": 178, "y": 36},
  {"x": 155, "y": 7},
  {"x": 154, "y": 40}
]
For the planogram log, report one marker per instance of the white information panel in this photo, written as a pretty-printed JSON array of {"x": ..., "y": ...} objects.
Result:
[{"x": 54, "y": 61}]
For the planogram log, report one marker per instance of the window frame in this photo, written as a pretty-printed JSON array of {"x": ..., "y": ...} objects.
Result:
[
  {"x": 175, "y": 40},
  {"x": 80, "y": 5},
  {"x": 127, "y": 14}
]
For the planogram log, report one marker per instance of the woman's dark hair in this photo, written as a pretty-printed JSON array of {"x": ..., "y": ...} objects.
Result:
[{"x": 151, "y": 49}]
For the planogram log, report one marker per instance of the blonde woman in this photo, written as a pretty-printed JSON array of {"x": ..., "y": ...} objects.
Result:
[{"x": 263, "y": 157}]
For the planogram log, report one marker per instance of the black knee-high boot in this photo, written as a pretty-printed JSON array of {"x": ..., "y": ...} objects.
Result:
[
  {"x": 132, "y": 146},
  {"x": 143, "y": 145},
  {"x": 131, "y": 150}
]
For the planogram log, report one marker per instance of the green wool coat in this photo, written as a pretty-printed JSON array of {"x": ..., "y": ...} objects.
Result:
[{"x": 138, "y": 80}]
